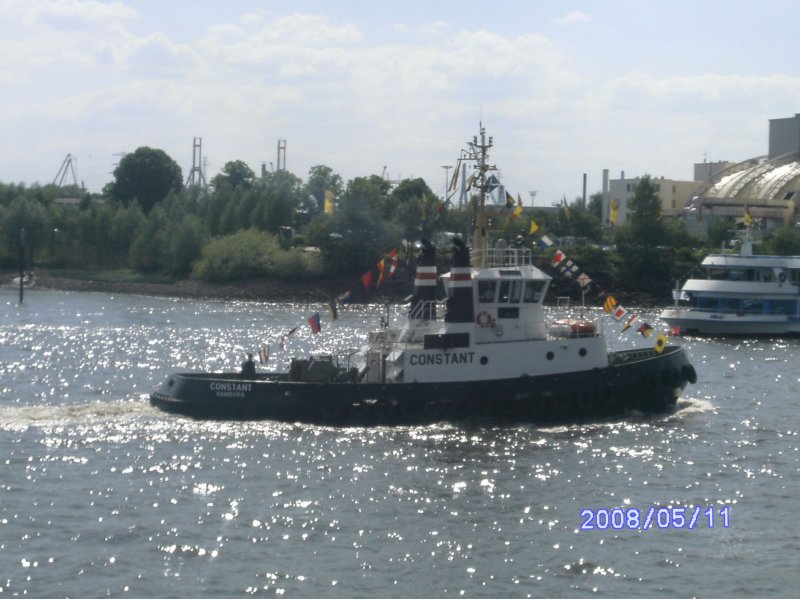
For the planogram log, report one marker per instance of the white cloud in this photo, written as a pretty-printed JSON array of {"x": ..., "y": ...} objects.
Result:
[
  {"x": 346, "y": 93},
  {"x": 572, "y": 18}
]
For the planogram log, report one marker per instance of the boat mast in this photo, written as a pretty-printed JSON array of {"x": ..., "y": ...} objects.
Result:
[
  {"x": 747, "y": 242},
  {"x": 479, "y": 152}
]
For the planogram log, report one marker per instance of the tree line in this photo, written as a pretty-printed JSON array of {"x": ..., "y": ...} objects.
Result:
[{"x": 243, "y": 226}]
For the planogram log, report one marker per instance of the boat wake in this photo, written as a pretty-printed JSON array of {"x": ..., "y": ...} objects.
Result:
[
  {"x": 13, "y": 416},
  {"x": 687, "y": 406}
]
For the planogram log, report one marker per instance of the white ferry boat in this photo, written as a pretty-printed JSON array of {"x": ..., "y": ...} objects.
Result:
[{"x": 740, "y": 294}]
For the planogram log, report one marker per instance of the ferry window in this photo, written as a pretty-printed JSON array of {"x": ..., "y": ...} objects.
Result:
[
  {"x": 486, "y": 290},
  {"x": 781, "y": 307},
  {"x": 707, "y": 303},
  {"x": 753, "y": 306},
  {"x": 731, "y": 305},
  {"x": 716, "y": 273}
]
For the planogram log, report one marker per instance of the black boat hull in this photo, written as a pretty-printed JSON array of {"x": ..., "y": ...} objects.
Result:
[{"x": 636, "y": 380}]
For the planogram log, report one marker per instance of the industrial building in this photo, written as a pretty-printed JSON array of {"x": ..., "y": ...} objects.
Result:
[{"x": 768, "y": 186}]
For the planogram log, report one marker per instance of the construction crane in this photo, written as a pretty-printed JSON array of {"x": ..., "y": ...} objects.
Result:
[{"x": 68, "y": 166}]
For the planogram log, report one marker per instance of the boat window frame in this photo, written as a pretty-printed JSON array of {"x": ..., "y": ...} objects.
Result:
[
  {"x": 535, "y": 288},
  {"x": 510, "y": 291},
  {"x": 483, "y": 286}
]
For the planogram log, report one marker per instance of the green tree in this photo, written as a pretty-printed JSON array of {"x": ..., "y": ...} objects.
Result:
[
  {"x": 235, "y": 173},
  {"x": 646, "y": 226},
  {"x": 783, "y": 242},
  {"x": 321, "y": 178},
  {"x": 150, "y": 249},
  {"x": 186, "y": 245},
  {"x": 720, "y": 230},
  {"x": 283, "y": 194},
  {"x": 415, "y": 208},
  {"x": 595, "y": 205},
  {"x": 146, "y": 176},
  {"x": 357, "y": 232}
]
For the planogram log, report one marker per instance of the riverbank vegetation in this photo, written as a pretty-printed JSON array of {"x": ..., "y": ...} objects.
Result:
[{"x": 243, "y": 227}]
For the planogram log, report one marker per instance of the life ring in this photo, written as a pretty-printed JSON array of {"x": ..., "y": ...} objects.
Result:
[{"x": 484, "y": 319}]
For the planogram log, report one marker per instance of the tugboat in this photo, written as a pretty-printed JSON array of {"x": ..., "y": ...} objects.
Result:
[{"x": 485, "y": 352}]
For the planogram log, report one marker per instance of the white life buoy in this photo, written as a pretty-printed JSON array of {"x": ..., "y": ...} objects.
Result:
[{"x": 484, "y": 319}]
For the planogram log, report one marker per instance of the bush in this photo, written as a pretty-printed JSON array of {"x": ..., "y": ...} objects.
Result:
[{"x": 253, "y": 253}]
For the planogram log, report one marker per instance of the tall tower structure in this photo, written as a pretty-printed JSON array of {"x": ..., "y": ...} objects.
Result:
[
  {"x": 67, "y": 167},
  {"x": 281, "y": 164},
  {"x": 196, "y": 176}
]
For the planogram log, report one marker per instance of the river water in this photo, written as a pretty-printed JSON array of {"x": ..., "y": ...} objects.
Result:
[{"x": 102, "y": 495}]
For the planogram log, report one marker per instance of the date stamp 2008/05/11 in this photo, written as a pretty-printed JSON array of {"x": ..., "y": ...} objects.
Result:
[{"x": 655, "y": 517}]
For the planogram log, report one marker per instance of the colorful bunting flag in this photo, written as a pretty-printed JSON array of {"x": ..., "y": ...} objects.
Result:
[
  {"x": 314, "y": 323},
  {"x": 748, "y": 219},
  {"x": 614, "y": 208},
  {"x": 381, "y": 268},
  {"x": 645, "y": 329},
  {"x": 558, "y": 258},
  {"x": 584, "y": 280},
  {"x": 661, "y": 342},
  {"x": 332, "y": 310},
  {"x": 629, "y": 323},
  {"x": 366, "y": 279},
  {"x": 619, "y": 313},
  {"x": 609, "y": 304},
  {"x": 282, "y": 340},
  {"x": 328, "y": 201},
  {"x": 533, "y": 228},
  {"x": 545, "y": 242},
  {"x": 517, "y": 210}
]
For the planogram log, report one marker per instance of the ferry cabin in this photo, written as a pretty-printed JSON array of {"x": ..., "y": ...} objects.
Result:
[{"x": 747, "y": 285}]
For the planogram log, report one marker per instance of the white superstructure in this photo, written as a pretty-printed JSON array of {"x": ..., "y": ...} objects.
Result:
[{"x": 740, "y": 295}]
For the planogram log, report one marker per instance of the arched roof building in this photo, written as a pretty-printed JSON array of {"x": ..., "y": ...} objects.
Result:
[{"x": 768, "y": 186}]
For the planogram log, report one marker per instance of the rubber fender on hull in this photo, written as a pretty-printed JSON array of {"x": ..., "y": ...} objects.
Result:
[{"x": 689, "y": 373}]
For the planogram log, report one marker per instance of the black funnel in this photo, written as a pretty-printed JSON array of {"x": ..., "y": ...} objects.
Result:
[
  {"x": 423, "y": 302},
  {"x": 459, "y": 302}
]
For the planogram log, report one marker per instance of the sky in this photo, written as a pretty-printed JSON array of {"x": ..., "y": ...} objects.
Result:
[{"x": 395, "y": 88}]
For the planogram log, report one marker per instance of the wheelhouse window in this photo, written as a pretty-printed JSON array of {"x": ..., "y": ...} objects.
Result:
[
  {"x": 510, "y": 292},
  {"x": 486, "y": 291},
  {"x": 532, "y": 292}
]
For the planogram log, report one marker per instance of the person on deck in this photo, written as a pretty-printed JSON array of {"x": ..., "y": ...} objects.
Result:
[{"x": 249, "y": 368}]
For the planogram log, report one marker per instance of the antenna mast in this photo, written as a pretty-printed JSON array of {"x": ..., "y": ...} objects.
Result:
[{"x": 479, "y": 153}]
